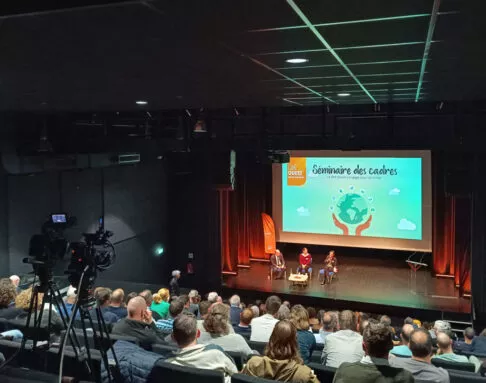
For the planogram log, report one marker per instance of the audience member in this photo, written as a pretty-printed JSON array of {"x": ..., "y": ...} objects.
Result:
[
  {"x": 184, "y": 298},
  {"x": 194, "y": 302},
  {"x": 149, "y": 298},
  {"x": 281, "y": 361},
  {"x": 131, "y": 295},
  {"x": 191, "y": 354},
  {"x": 329, "y": 325},
  {"x": 15, "y": 280},
  {"x": 256, "y": 311},
  {"x": 313, "y": 320},
  {"x": 217, "y": 332},
  {"x": 160, "y": 303},
  {"x": 7, "y": 296},
  {"x": 420, "y": 363},
  {"x": 307, "y": 342},
  {"x": 165, "y": 325},
  {"x": 243, "y": 328},
  {"x": 174, "y": 284},
  {"x": 103, "y": 297},
  {"x": 465, "y": 345},
  {"x": 404, "y": 349},
  {"x": 385, "y": 319},
  {"x": 444, "y": 344},
  {"x": 70, "y": 299},
  {"x": 117, "y": 306},
  {"x": 362, "y": 325},
  {"x": 344, "y": 345},
  {"x": 440, "y": 326},
  {"x": 286, "y": 303},
  {"x": 139, "y": 324},
  {"x": 235, "y": 309},
  {"x": 213, "y": 297},
  {"x": 478, "y": 344},
  {"x": 410, "y": 321},
  {"x": 262, "y": 308},
  {"x": 283, "y": 312},
  {"x": 374, "y": 366},
  {"x": 262, "y": 327}
]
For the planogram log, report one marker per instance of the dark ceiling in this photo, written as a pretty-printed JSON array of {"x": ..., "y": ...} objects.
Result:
[{"x": 225, "y": 53}]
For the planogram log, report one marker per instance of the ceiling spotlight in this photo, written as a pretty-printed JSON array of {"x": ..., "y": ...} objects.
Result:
[
  {"x": 297, "y": 60},
  {"x": 344, "y": 94},
  {"x": 141, "y": 102}
]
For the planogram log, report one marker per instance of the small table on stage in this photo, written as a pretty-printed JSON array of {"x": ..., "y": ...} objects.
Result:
[{"x": 299, "y": 279}]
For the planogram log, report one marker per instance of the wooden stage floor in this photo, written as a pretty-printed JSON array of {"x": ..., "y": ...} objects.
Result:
[{"x": 375, "y": 281}]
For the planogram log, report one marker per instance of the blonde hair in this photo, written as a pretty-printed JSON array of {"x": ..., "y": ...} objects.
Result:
[
  {"x": 300, "y": 317},
  {"x": 161, "y": 295},
  {"x": 22, "y": 301}
]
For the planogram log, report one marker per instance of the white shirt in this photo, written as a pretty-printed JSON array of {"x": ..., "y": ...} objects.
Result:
[
  {"x": 262, "y": 328},
  {"x": 342, "y": 346}
]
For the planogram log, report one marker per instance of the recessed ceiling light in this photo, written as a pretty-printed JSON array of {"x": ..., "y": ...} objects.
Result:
[
  {"x": 296, "y": 61},
  {"x": 344, "y": 94},
  {"x": 141, "y": 102}
]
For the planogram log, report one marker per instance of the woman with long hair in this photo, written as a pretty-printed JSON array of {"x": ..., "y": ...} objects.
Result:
[
  {"x": 282, "y": 360},
  {"x": 306, "y": 339},
  {"x": 160, "y": 303},
  {"x": 219, "y": 331}
]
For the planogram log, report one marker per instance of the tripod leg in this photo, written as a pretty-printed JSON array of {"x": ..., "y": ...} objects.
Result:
[
  {"x": 99, "y": 341},
  {"x": 82, "y": 314}
]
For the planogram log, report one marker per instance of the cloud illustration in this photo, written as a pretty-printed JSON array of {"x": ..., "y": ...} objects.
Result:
[
  {"x": 405, "y": 224},
  {"x": 303, "y": 211},
  {"x": 394, "y": 191}
]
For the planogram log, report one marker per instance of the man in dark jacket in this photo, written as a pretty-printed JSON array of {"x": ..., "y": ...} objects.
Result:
[
  {"x": 174, "y": 284},
  {"x": 139, "y": 324}
]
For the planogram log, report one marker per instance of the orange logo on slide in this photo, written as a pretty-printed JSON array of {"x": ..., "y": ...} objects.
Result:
[{"x": 296, "y": 171}]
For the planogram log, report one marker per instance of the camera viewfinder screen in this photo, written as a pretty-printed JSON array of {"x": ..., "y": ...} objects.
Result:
[{"x": 58, "y": 218}]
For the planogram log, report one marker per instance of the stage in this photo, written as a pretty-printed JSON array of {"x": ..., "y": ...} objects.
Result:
[{"x": 371, "y": 281}]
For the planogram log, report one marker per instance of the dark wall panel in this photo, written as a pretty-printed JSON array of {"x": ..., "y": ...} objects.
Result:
[{"x": 31, "y": 200}]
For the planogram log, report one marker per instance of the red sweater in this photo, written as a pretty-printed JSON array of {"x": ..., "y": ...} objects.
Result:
[{"x": 305, "y": 260}]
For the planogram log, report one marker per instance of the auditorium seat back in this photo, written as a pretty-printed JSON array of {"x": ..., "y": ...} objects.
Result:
[
  {"x": 238, "y": 358},
  {"x": 257, "y": 346},
  {"x": 323, "y": 373},
  {"x": 241, "y": 378},
  {"x": 448, "y": 365},
  {"x": 465, "y": 377},
  {"x": 168, "y": 372}
]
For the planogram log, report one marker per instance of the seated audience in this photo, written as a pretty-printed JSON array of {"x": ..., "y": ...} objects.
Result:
[
  {"x": 131, "y": 295},
  {"x": 465, "y": 345},
  {"x": 117, "y": 306},
  {"x": 385, "y": 319},
  {"x": 139, "y": 324},
  {"x": 262, "y": 327},
  {"x": 217, "y": 328},
  {"x": 15, "y": 280},
  {"x": 194, "y": 302},
  {"x": 235, "y": 310},
  {"x": 444, "y": 344},
  {"x": 281, "y": 361},
  {"x": 70, "y": 300},
  {"x": 103, "y": 297},
  {"x": 440, "y": 326},
  {"x": 165, "y": 325},
  {"x": 149, "y": 298},
  {"x": 191, "y": 354},
  {"x": 160, "y": 303},
  {"x": 410, "y": 321},
  {"x": 374, "y": 366},
  {"x": 256, "y": 311},
  {"x": 7, "y": 296},
  {"x": 262, "y": 308},
  {"x": 203, "y": 313},
  {"x": 478, "y": 344},
  {"x": 420, "y": 363},
  {"x": 329, "y": 325},
  {"x": 184, "y": 298},
  {"x": 362, "y": 325},
  {"x": 313, "y": 320},
  {"x": 286, "y": 303},
  {"x": 283, "y": 313},
  {"x": 243, "y": 328},
  {"x": 213, "y": 297},
  {"x": 404, "y": 349},
  {"x": 344, "y": 345},
  {"x": 305, "y": 338}
]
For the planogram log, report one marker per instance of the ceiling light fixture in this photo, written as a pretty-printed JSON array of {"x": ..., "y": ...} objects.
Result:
[
  {"x": 344, "y": 94},
  {"x": 297, "y": 60},
  {"x": 141, "y": 102}
]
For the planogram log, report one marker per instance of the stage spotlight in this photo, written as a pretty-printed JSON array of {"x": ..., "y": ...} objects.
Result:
[{"x": 158, "y": 250}]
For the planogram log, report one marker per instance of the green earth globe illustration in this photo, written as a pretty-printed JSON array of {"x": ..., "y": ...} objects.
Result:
[{"x": 352, "y": 209}]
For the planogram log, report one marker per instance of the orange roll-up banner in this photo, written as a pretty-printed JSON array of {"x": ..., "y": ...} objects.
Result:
[{"x": 269, "y": 234}]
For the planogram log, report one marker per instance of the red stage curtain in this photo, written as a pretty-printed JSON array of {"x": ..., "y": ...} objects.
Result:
[{"x": 241, "y": 224}]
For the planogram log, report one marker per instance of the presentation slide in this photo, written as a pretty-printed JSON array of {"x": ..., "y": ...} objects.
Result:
[{"x": 370, "y": 198}]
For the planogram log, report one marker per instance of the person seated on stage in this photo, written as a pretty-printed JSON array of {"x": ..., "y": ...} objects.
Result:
[
  {"x": 277, "y": 264},
  {"x": 420, "y": 363},
  {"x": 192, "y": 354},
  {"x": 305, "y": 262},
  {"x": 374, "y": 366},
  {"x": 244, "y": 327},
  {"x": 404, "y": 349},
  {"x": 305, "y": 338},
  {"x": 330, "y": 267},
  {"x": 465, "y": 345},
  {"x": 262, "y": 327},
  {"x": 345, "y": 345},
  {"x": 281, "y": 361},
  {"x": 217, "y": 332}
]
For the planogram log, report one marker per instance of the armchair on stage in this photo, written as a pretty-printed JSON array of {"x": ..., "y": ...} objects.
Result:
[{"x": 327, "y": 275}]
